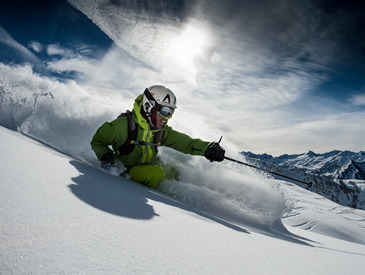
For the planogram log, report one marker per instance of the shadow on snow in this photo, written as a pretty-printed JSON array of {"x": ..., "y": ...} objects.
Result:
[{"x": 125, "y": 198}]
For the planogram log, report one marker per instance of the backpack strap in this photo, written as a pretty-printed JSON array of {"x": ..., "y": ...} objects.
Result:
[
  {"x": 158, "y": 138},
  {"x": 128, "y": 146}
]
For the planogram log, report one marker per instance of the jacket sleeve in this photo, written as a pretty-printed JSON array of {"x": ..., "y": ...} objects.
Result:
[
  {"x": 183, "y": 143},
  {"x": 112, "y": 134}
]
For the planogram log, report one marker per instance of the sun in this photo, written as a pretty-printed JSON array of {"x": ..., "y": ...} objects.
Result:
[{"x": 190, "y": 43}]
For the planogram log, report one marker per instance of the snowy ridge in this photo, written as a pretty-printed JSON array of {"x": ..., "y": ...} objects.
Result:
[
  {"x": 351, "y": 170},
  {"x": 327, "y": 164},
  {"x": 337, "y": 175}
]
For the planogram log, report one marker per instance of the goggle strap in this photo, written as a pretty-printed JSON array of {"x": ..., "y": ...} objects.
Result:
[{"x": 152, "y": 100}]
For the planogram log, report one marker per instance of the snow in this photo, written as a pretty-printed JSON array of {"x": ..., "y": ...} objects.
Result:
[{"x": 63, "y": 215}]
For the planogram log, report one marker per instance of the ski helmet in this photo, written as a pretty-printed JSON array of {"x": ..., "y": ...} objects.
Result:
[{"x": 161, "y": 99}]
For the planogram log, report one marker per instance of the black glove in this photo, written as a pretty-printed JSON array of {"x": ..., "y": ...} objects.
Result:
[
  {"x": 215, "y": 152},
  {"x": 107, "y": 161}
]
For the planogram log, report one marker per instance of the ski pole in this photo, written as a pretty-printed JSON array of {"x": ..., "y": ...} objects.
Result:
[{"x": 309, "y": 184}]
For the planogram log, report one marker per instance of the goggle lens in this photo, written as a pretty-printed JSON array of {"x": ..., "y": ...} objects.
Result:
[{"x": 166, "y": 112}]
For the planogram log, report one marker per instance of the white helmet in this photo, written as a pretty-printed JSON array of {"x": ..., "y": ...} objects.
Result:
[{"x": 160, "y": 98}]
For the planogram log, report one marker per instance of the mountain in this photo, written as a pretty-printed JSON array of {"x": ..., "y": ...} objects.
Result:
[
  {"x": 351, "y": 170},
  {"x": 337, "y": 175}
]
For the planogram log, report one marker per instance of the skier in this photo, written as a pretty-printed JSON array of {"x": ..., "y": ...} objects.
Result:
[{"x": 135, "y": 136}]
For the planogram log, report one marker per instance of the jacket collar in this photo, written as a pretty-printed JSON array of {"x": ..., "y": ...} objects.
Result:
[{"x": 137, "y": 113}]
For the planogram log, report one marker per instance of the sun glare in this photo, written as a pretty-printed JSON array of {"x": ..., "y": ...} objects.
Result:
[{"x": 190, "y": 43}]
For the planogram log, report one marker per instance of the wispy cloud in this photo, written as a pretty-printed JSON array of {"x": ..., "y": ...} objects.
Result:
[
  {"x": 35, "y": 46},
  {"x": 23, "y": 52},
  {"x": 55, "y": 49},
  {"x": 359, "y": 99},
  {"x": 332, "y": 132}
]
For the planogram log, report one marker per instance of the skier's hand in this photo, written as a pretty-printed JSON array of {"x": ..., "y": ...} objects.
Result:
[
  {"x": 215, "y": 152},
  {"x": 107, "y": 161}
]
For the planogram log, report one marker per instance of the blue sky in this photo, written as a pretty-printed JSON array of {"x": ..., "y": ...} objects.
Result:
[{"x": 276, "y": 77}]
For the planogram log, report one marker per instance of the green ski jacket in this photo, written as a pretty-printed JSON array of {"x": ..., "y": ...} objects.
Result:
[{"x": 115, "y": 134}]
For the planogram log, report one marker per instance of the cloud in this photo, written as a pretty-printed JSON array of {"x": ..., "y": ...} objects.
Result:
[
  {"x": 55, "y": 49},
  {"x": 331, "y": 132},
  {"x": 358, "y": 100},
  {"x": 115, "y": 70},
  {"x": 35, "y": 46},
  {"x": 233, "y": 61},
  {"x": 21, "y": 51}
]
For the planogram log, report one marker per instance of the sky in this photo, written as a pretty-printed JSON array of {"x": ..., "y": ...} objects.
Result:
[{"x": 279, "y": 77}]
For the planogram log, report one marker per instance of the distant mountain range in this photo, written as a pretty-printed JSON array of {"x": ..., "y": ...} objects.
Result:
[{"x": 337, "y": 175}]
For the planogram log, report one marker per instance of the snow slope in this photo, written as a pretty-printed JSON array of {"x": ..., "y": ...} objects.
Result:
[{"x": 61, "y": 215}]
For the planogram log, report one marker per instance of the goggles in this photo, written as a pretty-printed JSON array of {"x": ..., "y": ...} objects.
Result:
[{"x": 164, "y": 111}]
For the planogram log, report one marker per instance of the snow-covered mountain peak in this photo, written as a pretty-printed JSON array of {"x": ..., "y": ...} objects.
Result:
[{"x": 327, "y": 170}]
